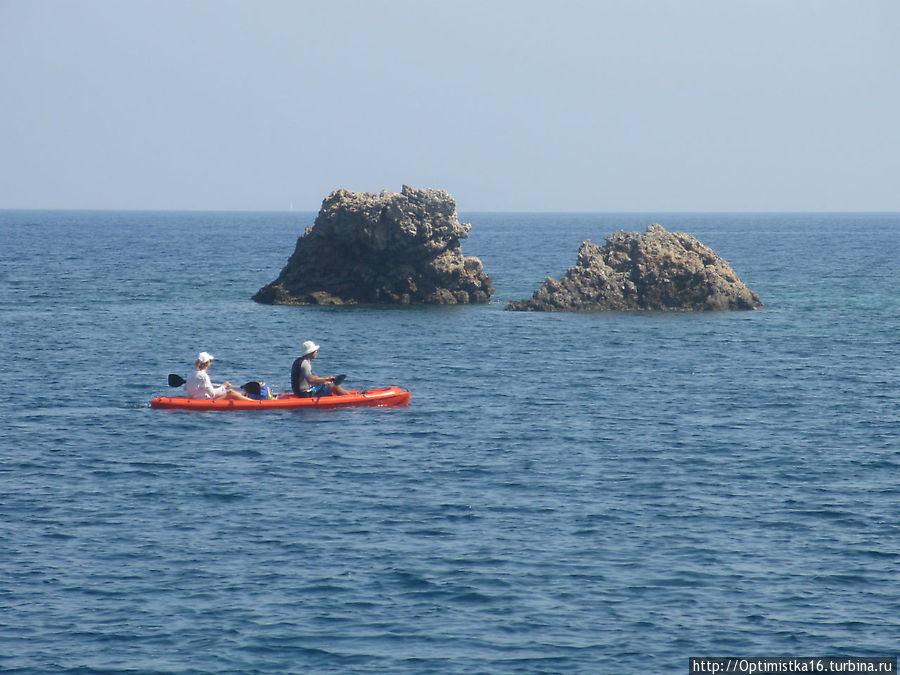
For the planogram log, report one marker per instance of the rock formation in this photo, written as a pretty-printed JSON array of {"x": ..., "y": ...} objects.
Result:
[
  {"x": 657, "y": 270},
  {"x": 381, "y": 249}
]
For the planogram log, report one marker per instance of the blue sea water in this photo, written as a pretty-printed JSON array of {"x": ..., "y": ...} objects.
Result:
[{"x": 565, "y": 493}]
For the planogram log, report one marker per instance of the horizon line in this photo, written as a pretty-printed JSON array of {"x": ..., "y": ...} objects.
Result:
[{"x": 490, "y": 211}]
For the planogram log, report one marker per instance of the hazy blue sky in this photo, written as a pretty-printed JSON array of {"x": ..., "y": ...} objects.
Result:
[{"x": 600, "y": 105}]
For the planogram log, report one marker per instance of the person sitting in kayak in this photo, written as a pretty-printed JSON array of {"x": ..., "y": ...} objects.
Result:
[
  {"x": 199, "y": 386},
  {"x": 304, "y": 383}
]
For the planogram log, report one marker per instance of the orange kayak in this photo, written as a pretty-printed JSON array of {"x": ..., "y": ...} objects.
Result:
[{"x": 371, "y": 397}]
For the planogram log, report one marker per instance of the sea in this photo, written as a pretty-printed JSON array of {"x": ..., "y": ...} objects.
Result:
[{"x": 565, "y": 492}]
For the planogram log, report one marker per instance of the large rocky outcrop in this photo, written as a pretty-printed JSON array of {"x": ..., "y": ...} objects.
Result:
[
  {"x": 381, "y": 249},
  {"x": 657, "y": 270}
]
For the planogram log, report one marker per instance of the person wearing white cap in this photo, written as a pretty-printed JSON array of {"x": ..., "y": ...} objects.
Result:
[
  {"x": 304, "y": 383},
  {"x": 199, "y": 385}
]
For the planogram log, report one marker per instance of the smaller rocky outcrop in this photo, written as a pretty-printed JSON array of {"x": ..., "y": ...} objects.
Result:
[
  {"x": 382, "y": 249},
  {"x": 657, "y": 270}
]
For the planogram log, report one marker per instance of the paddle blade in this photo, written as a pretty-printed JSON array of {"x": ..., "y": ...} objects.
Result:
[
  {"x": 251, "y": 388},
  {"x": 339, "y": 378},
  {"x": 176, "y": 380}
]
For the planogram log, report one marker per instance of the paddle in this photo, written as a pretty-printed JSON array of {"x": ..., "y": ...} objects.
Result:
[{"x": 250, "y": 387}]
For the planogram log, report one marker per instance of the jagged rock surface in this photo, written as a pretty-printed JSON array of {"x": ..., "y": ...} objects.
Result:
[
  {"x": 657, "y": 270},
  {"x": 382, "y": 249}
]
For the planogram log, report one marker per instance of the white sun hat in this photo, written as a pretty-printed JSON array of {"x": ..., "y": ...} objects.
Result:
[
  {"x": 205, "y": 356},
  {"x": 309, "y": 347}
]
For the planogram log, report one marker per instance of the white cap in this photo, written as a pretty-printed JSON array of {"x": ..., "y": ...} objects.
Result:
[
  {"x": 309, "y": 347},
  {"x": 203, "y": 357}
]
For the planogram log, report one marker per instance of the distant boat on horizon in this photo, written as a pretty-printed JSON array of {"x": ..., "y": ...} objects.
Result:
[{"x": 292, "y": 205}]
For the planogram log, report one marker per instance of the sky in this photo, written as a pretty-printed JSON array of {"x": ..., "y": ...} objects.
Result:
[{"x": 509, "y": 105}]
